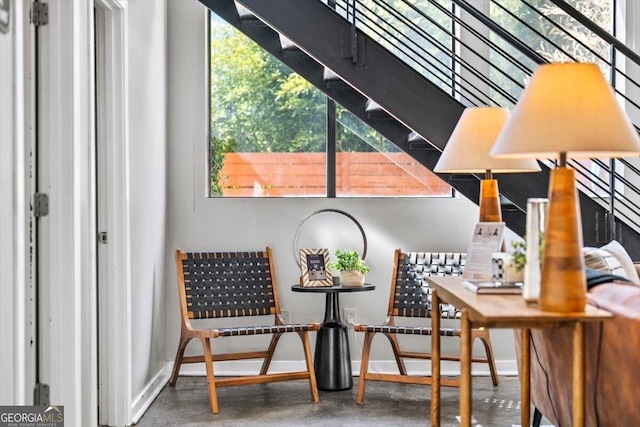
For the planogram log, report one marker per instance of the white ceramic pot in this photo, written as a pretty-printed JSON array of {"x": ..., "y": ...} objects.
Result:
[{"x": 351, "y": 278}]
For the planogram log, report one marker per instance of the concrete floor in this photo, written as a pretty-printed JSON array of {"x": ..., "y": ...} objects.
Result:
[{"x": 289, "y": 404}]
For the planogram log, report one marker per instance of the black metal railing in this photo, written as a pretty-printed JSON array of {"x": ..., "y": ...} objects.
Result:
[{"x": 485, "y": 57}]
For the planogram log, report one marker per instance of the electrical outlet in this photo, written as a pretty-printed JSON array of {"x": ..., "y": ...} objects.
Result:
[
  {"x": 285, "y": 313},
  {"x": 350, "y": 316}
]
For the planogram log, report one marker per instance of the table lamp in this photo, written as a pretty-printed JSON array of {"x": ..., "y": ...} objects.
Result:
[
  {"x": 467, "y": 151},
  {"x": 567, "y": 109}
]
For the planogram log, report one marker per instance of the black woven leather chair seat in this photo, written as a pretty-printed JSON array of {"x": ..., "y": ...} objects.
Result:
[
  {"x": 412, "y": 330},
  {"x": 413, "y": 293},
  {"x": 262, "y": 330}
]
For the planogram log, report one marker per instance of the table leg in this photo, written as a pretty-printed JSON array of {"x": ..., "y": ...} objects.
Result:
[
  {"x": 435, "y": 359},
  {"x": 332, "y": 359},
  {"x": 525, "y": 377},
  {"x": 578, "y": 374},
  {"x": 465, "y": 370}
]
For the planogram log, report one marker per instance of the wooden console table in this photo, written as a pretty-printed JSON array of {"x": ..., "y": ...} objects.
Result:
[{"x": 503, "y": 311}]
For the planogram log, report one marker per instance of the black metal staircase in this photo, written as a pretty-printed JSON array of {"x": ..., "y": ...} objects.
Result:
[{"x": 322, "y": 43}]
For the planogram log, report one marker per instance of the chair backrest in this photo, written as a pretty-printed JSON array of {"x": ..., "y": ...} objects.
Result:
[
  {"x": 410, "y": 291},
  {"x": 226, "y": 284}
]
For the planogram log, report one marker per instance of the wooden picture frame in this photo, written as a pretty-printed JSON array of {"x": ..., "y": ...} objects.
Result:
[{"x": 314, "y": 264}]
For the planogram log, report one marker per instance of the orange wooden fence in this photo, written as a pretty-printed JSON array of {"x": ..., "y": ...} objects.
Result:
[{"x": 304, "y": 174}]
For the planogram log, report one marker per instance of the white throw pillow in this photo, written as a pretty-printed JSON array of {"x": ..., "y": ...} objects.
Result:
[
  {"x": 604, "y": 261},
  {"x": 619, "y": 252}
]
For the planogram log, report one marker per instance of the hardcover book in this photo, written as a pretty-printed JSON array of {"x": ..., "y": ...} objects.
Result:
[{"x": 479, "y": 287}]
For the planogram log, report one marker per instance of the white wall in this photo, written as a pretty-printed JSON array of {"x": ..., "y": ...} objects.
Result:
[
  {"x": 197, "y": 223},
  {"x": 147, "y": 142}
]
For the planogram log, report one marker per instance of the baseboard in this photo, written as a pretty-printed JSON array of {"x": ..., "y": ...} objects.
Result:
[
  {"x": 415, "y": 367},
  {"x": 153, "y": 388},
  {"x": 447, "y": 368}
]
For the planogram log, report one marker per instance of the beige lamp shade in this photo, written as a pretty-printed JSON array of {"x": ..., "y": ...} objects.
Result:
[
  {"x": 467, "y": 150},
  {"x": 567, "y": 108}
]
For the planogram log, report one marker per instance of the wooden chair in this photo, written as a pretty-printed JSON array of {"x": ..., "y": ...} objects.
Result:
[
  {"x": 410, "y": 296},
  {"x": 234, "y": 284}
]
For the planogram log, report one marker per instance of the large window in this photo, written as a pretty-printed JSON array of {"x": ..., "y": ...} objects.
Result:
[{"x": 269, "y": 139}]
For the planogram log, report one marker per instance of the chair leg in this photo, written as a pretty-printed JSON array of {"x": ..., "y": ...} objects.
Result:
[
  {"x": 178, "y": 360},
  {"x": 396, "y": 352},
  {"x": 537, "y": 417},
  {"x": 364, "y": 366},
  {"x": 485, "y": 337},
  {"x": 211, "y": 381},
  {"x": 313, "y": 385},
  {"x": 270, "y": 351}
]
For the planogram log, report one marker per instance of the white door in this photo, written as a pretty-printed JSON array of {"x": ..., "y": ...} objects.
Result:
[
  {"x": 101, "y": 220},
  {"x": 66, "y": 237},
  {"x": 114, "y": 331},
  {"x": 41, "y": 224}
]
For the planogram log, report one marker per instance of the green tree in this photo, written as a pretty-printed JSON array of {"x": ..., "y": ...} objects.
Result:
[
  {"x": 258, "y": 102},
  {"x": 218, "y": 149}
]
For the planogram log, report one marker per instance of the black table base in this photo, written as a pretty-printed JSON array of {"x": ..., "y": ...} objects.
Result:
[{"x": 332, "y": 357}]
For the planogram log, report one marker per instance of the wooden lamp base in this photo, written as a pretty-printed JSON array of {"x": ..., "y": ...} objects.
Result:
[
  {"x": 563, "y": 285},
  {"x": 490, "y": 201}
]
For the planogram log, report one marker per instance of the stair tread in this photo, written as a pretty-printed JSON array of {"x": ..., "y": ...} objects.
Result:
[
  {"x": 287, "y": 44},
  {"x": 244, "y": 13}
]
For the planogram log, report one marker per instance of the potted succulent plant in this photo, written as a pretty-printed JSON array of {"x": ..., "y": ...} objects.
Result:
[
  {"x": 352, "y": 268},
  {"x": 518, "y": 255}
]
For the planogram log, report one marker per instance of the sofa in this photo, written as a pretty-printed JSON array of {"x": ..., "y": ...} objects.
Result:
[{"x": 612, "y": 353}]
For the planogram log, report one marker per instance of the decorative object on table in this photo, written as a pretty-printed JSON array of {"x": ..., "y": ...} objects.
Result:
[
  {"x": 314, "y": 264},
  {"x": 536, "y": 223},
  {"x": 329, "y": 228},
  {"x": 505, "y": 269},
  {"x": 486, "y": 240},
  {"x": 566, "y": 110},
  {"x": 467, "y": 151},
  {"x": 518, "y": 254},
  {"x": 352, "y": 268},
  {"x": 493, "y": 287}
]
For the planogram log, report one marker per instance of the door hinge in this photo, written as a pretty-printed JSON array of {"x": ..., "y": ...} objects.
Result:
[
  {"x": 40, "y": 204},
  {"x": 41, "y": 394},
  {"x": 39, "y": 13},
  {"x": 102, "y": 237}
]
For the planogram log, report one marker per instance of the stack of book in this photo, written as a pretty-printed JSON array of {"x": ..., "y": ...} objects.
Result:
[{"x": 480, "y": 287}]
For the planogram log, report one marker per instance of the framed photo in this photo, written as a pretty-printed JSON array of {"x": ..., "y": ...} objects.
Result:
[
  {"x": 487, "y": 239},
  {"x": 315, "y": 268}
]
